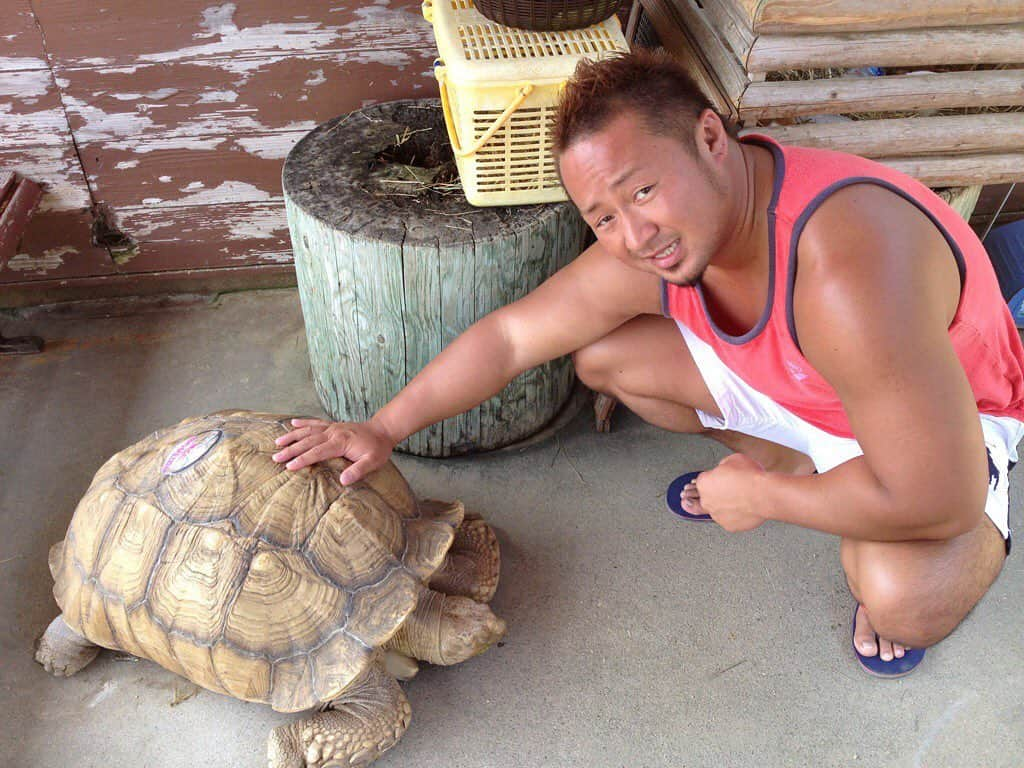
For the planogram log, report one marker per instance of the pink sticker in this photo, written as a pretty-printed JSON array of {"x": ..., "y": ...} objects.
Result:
[{"x": 189, "y": 451}]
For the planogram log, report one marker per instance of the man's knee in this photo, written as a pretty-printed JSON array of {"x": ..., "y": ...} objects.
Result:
[
  {"x": 903, "y": 604},
  {"x": 594, "y": 366},
  {"x": 902, "y": 614}
]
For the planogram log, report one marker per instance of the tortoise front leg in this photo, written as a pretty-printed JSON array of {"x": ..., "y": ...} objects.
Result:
[
  {"x": 364, "y": 722},
  {"x": 472, "y": 564}
]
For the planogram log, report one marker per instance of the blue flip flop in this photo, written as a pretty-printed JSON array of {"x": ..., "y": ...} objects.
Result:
[
  {"x": 874, "y": 665},
  {"x": 673, "y": 494}
]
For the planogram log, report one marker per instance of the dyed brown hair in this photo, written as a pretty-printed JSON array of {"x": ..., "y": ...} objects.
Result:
[{"x": 653, "y": 85}]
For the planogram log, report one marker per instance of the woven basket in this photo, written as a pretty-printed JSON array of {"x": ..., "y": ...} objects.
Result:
[{"x": 547, "y": 15}]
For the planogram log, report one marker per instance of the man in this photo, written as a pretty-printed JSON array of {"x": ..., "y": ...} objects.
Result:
[{"x": 811, "y": 310}]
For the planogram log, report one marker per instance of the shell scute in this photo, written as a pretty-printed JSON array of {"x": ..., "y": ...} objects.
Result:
[
  {"x": 345, "y": 550},
  {"x": 284, "y": 512},
  {"x": 245, "y": 676},
  {"x": 200, "y": 571},
  {"x": 284, "y": 606},
  {"x": 379, "y": 609},
  {"x": 131, "y": 550}
]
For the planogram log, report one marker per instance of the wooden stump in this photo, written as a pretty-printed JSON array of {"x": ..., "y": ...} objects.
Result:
[{"x": 393, "y": 264}]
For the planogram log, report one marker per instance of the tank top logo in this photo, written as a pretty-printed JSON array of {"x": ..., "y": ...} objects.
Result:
[
  {"x": 189, "y": 451},
  {"x": 795, "y": 371}
]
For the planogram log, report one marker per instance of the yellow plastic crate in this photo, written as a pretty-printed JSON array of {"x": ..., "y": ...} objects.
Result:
[{"x": 499, "y": 88}]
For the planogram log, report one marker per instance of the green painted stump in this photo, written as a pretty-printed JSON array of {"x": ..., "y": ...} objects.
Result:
[{"x": 393, "y": 264}]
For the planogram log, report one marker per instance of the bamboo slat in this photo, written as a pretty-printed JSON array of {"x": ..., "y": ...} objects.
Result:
[
  {"x": 896, "y": 93},
  {"x": 803, "y": 16},
  {"x": 711, "y": 47},
  {"x": 909, "y": 136},
  {"x": 961, "y": 170},
  {"x": 729, "y": 21},
  {"x": 668, "y": 27},
  {"x": 909, "y": 48}
]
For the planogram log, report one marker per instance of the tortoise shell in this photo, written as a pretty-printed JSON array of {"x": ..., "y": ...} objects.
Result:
[{"x": 194, "y": 549}]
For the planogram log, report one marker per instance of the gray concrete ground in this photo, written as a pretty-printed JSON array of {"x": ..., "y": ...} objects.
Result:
[{"x": 635, "y": 638}]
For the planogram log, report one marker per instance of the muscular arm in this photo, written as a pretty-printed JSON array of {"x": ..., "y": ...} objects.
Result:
[
  {"x": 580, "y": 304},
  {"x": 876, "y": 291}
]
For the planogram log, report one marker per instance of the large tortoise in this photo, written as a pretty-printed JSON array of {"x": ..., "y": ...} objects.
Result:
[{"x": 195, "y": 549}]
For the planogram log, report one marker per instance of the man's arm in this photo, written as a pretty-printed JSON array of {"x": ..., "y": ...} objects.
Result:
[
  {"x": 877, "y": 289},
  {"x": 578, "y": 305}
]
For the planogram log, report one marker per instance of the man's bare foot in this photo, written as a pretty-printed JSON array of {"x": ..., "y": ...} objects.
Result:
[{"x": 868, "y": 643}]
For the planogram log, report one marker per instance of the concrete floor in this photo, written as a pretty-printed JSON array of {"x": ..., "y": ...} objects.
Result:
[{"x": 635, "y": 639}]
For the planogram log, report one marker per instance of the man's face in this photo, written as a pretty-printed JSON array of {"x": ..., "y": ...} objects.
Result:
[{"x": 652, "y": 202}]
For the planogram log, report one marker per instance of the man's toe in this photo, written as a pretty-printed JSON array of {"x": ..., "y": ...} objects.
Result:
[{"x": 864, "y": 634}]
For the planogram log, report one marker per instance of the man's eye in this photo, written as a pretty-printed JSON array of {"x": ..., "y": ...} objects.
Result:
[
  {"x": 602, "y": 221},
  {"x": 643, "y": 192}
]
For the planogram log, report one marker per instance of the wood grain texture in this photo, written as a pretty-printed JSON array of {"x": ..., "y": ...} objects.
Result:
[
  {"x": 896, "y": 93},
  {"x": 905, "y": 137},
  {"x": 961, "y": 170},
  {"x": 191, "y": 105},
  {"x": 22, "y": 42},
  {"x": 712, "y": 47},
  {"x": 905, "y": 48},
  {"x": 387, "y": 281},
  {"x": 119, "y": 32},
  {"x": 801, "y": 16}
]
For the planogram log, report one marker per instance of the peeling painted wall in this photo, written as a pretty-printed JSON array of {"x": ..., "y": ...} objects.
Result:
[{"x": 174, "y": 120}]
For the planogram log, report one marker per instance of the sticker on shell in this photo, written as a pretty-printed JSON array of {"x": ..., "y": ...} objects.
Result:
[{"x": 190, "y": 450}]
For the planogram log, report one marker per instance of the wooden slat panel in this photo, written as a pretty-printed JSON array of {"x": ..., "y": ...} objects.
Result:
[
  {"x": 124, "y": 107},
  {"x": 18, "y": 200},
  {"x": 762, "y": 101},
  {"x": 802, "y": 16},
  {"x": 673, "y": 39},
  {"x": 47, "y": 290},
  {"x": 118, "y": 32},
  {"x": 205, "y": 236},
  {"x": 232, "y": 170},
  {"x": 58, "y": 169},
  {"x": 327, "y": 292},
  {"x": 728, "y": 22},
  {"x": 422, "y": 276},
  {"x": 33, "y": 116},
  {"x": 56, "y": 245},
  {"x": 22, "y": 44},
  {"x": 457, "y": 314},
  {"x": 912, "y": 48},
  {"x": 961, "y": 171},
  {"x": 962, "y": 134},
  {"x": 379, "y": 332},
  {"x": 712, "y": 48}
]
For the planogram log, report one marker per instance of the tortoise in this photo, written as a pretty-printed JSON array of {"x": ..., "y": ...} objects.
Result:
[{"x": 194, "y": 549}]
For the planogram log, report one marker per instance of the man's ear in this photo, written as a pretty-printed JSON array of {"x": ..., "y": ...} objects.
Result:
[{"x": 711, "y": 136}]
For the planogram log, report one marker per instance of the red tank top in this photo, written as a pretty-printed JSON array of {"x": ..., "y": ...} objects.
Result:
[{"x": 767, "y": 357}]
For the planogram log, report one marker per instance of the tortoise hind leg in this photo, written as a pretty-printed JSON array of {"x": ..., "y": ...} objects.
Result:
[
  {"x": 62, "y": 651},
  {"x": 365, "y": 721},
  {"x": 473, "y": 562}
]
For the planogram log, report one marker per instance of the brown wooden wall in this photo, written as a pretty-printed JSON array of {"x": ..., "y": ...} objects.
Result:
[{"x": 160, "y": 129}]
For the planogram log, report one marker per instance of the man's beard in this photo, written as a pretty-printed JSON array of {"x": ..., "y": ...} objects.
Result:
[{"x": 690, "y": 280}]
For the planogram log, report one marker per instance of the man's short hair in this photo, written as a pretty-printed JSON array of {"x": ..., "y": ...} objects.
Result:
[{"x": 653, "y": 85}]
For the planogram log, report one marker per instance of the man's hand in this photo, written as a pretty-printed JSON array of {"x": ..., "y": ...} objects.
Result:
[
  {"x": 725, "y": 493},
  {"x": 313, "y": 440}
]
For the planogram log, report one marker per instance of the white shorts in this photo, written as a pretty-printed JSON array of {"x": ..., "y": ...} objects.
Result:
[{"x": 746, "y": 410}]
